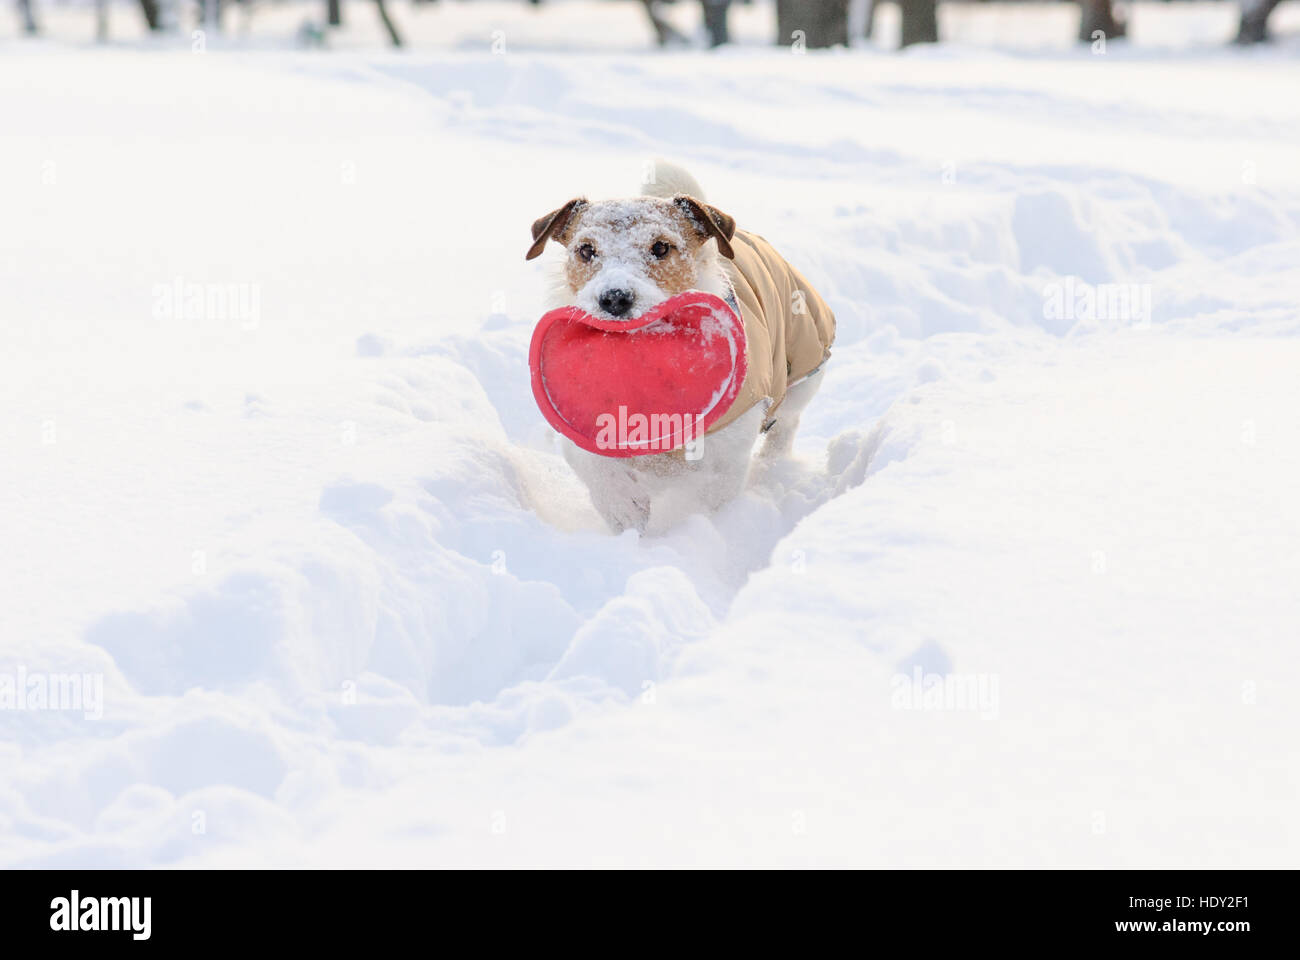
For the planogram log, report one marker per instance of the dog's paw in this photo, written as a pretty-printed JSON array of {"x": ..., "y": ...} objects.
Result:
[{"x": 633, "y": 514}]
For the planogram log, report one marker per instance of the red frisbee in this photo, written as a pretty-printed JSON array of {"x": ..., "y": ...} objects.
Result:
[{"x": 627, "y": 388}]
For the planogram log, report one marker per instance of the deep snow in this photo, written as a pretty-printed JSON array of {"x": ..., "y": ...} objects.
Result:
[{"x": 350, "y": 607}]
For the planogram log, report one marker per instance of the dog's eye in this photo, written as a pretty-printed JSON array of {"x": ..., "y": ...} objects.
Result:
[
  {"x": 586, "y": 252},
  {"x": 660, "y": 249}
]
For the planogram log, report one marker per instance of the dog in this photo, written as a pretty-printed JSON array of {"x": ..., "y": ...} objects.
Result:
[{"x": 622, "y": 258}]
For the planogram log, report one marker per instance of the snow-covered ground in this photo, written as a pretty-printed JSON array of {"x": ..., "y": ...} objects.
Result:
[{"x": 1028, "y": 595}]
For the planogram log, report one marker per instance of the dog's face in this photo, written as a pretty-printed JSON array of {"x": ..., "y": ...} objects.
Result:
[{"x": 623, "y": 257}]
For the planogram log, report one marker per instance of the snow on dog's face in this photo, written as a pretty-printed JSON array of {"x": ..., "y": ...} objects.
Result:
[{"x": 623, "y": 257}]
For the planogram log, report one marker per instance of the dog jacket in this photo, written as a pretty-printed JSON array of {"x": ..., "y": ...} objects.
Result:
[{"x": 788, "y": 326}]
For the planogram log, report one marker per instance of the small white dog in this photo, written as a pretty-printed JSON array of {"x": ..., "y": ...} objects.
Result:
[{"x": 623, "y": 257}]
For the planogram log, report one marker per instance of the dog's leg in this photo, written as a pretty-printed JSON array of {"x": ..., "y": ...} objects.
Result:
[
  {"x": 729, "y": 454},
  {"x": 617, "y": 490},
  {"x": 779, "y": 439},
  {"x": 654, "y": 494},
  {"x": 704, "y": 485}
]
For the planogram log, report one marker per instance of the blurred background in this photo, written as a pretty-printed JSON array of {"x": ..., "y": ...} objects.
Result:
[{"x": 631, "y": 24}]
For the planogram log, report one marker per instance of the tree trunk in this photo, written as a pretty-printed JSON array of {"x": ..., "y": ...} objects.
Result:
[
  {"x": 334, "y": 12},
  {"x": 210, "y": 14},
  {"x": 715, "y": 20},
  {"x": 101, "y": 21},
  {"x": 812, "y": 23},
  {"x": 1097, "y": 16},
  {"x": 29, "y": 17},
  {"x": 393, "y": 35},
  {"x": 665, "y": 32},
  {"x": 1254, "y": 20},
  {"x": 920, "y": 22},
  {"x": 152, "y": 16}
]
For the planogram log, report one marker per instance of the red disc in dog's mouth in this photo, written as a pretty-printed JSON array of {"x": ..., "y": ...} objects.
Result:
[{"x": 642, "y": 386}]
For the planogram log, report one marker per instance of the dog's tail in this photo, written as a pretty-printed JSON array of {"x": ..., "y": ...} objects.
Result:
[{"x": 664, "y": 179}]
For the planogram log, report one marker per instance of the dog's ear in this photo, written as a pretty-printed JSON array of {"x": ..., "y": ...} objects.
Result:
[
  {"x": 710, "y": 222},
  {"x": 552, "y": 226}
]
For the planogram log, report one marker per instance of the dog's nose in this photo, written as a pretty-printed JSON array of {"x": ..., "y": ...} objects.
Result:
[{"x": 616, "y": 303}]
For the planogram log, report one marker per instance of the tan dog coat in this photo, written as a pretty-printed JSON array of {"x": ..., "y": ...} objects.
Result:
[{"x": 788, "y": 326}]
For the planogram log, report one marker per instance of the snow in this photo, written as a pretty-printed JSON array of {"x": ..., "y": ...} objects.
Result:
[{"x": 349, "y": 607}]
